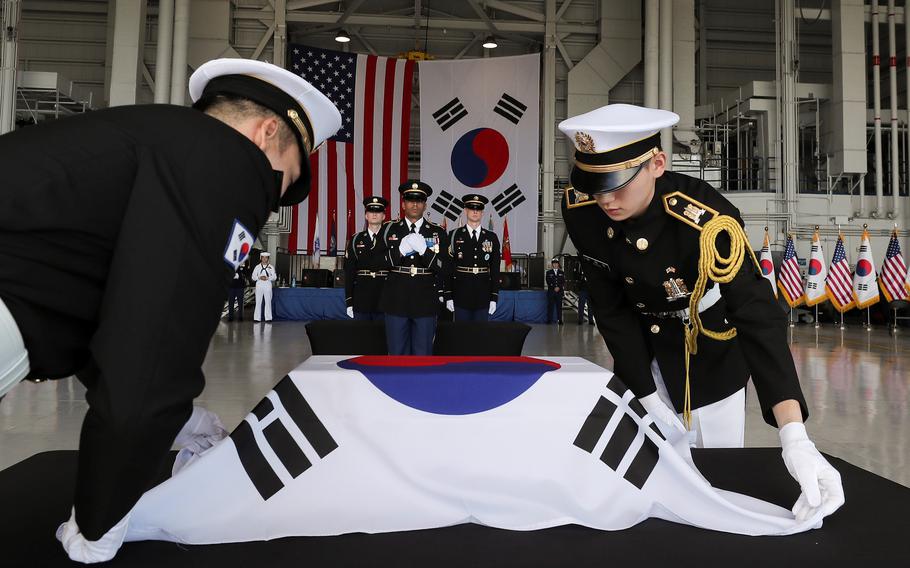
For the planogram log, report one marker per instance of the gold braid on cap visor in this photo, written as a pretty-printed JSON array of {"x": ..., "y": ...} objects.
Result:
[
  {"x": 617, "y": 167},
  {"x": 295, "y": 118}
]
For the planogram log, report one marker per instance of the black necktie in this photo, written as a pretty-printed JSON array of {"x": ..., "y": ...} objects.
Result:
[
  {"x": 474, "y": 236},
  {"x": 413, "y": 227}
]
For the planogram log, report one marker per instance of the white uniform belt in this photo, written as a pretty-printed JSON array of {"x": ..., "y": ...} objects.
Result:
[
  {"x": 372, "y": 273},
  {"x": 412, "y": 271},
  {"x": 708, "y": 300},
  {"x": 14, "y": 364},
  {"x": 472, "y": 269}
]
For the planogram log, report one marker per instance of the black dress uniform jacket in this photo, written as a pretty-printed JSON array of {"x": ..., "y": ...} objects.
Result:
[
  {"x": 473, "y": 291},
  {"x": 417, "y": 295},
  {"x": 556, "y": 279},
  {"x": 643, "y": 267},
  {"x": 88, "y": 206},
  {"x": 363, "y": 292}
]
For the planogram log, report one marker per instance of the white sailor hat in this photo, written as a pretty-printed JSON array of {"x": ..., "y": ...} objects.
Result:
[
  {"x": 313, "y": 118},
  {"x": 612, "y": 143},
  {"x": 265, "y": 253}
]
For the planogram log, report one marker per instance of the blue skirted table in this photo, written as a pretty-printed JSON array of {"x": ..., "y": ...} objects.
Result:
[{"x": 308, "y": 304}]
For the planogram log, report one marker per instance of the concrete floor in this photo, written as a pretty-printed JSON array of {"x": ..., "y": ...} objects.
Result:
[{"x": 857, "y": 384}]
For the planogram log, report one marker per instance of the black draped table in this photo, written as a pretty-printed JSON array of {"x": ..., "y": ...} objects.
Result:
[{"x": 872, "y": 529}]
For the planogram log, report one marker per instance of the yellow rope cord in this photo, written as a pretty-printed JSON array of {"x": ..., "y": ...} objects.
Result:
[{"x": 717, "y": 268}]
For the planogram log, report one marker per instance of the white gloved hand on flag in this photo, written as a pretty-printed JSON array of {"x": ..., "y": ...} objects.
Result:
[
  {"x": 350, "y": 312},
  {"x": 79, "y": 549},
  {"x": 200, "y": 433},
  {"x": 819, "y": 481},
  {"x": 660, "y": 411},
  {"x": 492, "y": 309},
  {"x": 450, "y": 305}
]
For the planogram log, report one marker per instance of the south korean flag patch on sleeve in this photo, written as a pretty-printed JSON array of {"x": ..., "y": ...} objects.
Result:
[{"x": 238, "y": 246}]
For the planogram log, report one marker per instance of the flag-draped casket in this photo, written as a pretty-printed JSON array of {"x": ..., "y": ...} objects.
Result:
[{"x": 377, "y": 444}]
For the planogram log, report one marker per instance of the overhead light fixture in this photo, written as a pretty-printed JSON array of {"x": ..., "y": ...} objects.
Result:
[
  {"x": 342, "y": 37},
  {"x": 490, "y": 43}
]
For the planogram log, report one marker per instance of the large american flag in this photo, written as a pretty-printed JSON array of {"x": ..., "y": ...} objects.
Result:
[
  {"x": 891, "y": 279},
  {"x": 369, "y": 154},
  {"x": 790, "y": 282},
  {"x": 840, "y": 280}
]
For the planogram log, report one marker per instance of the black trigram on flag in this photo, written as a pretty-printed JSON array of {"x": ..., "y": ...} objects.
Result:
[
  {"x": 508, "y": 200},
  {"x": 862, "y": 287},
  {"x": 448, "y": 205},
  {"x": 450, "y": 113},
  {"x": 510, "y": 108},
  {"x": 621, "y": 439},
  {"x": 280, "y": 440}
]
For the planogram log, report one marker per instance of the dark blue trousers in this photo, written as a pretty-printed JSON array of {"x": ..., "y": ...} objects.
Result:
[
  {"x": 410, "y": 336},
  {"x": 369, "y": 316},
  {"x": 554, "y": 306},
  {"x": 235, "y": 295},
  {"x": 464, "y": 314},
  {"x": 582, "y": 302}
]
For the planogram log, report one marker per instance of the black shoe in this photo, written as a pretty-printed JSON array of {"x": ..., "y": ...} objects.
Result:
[
  {"x": 231, "y": 319},
  {"x": 560, "y": 322}
]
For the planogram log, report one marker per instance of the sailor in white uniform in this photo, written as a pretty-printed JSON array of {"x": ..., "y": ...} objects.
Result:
[{"x": 264, "y": 274}]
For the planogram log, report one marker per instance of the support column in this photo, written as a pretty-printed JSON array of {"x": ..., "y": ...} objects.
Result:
[
  {"x": 272, "y": 230},
  {"x": 548, "y": 127},
  {"x": 164, "y": 53},
  {"x": 789, "y": 124},
  {"x": 666, "y": 74},
  {"x": 181, "y": 48},
  {"x": 128, "y": 42},
  {"x": 8, "y": 63},
  {"x": 652, "y": 43}
]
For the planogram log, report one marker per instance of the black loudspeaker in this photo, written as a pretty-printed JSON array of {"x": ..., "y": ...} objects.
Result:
[
  {"x": 316, "y": 278},
  {"x": 338, "y": 280},
  {"x": 509, "y": 281},
  {"x": 536, "y": 272}
]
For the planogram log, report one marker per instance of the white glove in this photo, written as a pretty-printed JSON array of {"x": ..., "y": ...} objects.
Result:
[
  {"x": 405, "y": 247},
  {"x": 450, "y": 305},
  {"x": 819, "y": 481},
  {"x": 200, "y": 433},
  {"x": 492, "y": 309},
  {"x": 418, "y": 242},
  {"x": 350, "y": 312},
  {"x": 90, "y": 551},
  {"x": 660, "y": 411}
]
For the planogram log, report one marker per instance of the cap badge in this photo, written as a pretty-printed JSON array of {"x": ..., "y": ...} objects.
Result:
[
  {"x": 415, "y": 186},
  {"x": 584, "y": 142}
]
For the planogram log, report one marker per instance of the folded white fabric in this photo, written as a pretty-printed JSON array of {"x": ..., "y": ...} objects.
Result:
[
  {"x": 79, "y": 549},
  {"x": 200, "y": 433}
]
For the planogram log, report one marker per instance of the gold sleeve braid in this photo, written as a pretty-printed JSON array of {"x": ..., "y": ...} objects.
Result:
[{"x": 717, "y": 268}]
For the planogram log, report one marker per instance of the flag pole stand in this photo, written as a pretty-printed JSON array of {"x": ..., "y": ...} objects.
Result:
[
  {"x": 868, "y": 319},
  {"x": 894, "y": 327},
  {"x": 842, "y": 326},
  {"x": 791, "y": 318},
  {"x": 816, "y": 317}
]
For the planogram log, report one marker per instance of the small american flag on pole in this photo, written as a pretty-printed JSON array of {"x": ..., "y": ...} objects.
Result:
[
  {"x": 840, "y": 281},
  {"x": 891, "y": 279},
  {"x": 790, "y": 282},
  {"x": 368, "y": 155}
]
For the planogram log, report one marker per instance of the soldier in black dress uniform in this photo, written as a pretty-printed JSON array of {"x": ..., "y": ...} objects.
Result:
[
  {"x": 366, "y": 264},
  {"x": 237, "y": 290},
  {"x": 474, "y": 285},
  {"x": 89, "y": 205},
  {"x": 418, "y": 258},
  {"x": 687, "y": 327},
  {"x": 556, "y": 290}
]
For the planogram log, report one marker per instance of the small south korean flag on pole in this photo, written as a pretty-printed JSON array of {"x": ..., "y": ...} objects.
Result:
[
  {"x": 479, "y": 132},
  {"x": 238, "y": 246}
]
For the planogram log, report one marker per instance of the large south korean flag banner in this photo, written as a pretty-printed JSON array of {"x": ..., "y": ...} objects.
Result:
[{"x": 479, "y": 132}]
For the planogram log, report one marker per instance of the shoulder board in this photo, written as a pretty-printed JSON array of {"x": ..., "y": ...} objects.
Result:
[
  {"x": 575, "y": 198},
  {"x": 688, "y": 210}
]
